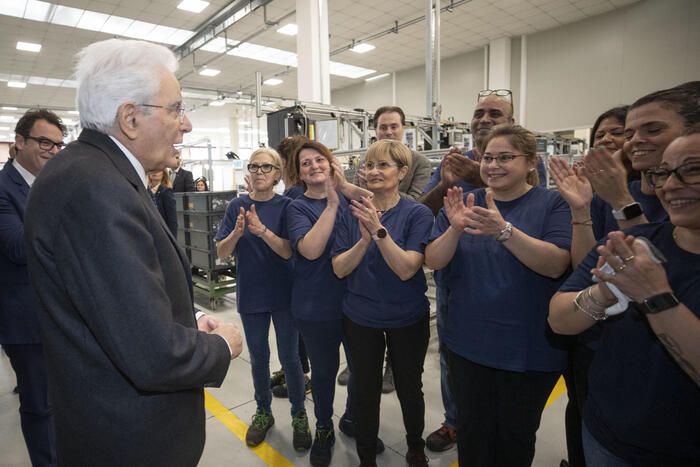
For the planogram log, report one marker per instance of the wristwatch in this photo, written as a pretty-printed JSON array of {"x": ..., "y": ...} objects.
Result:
[
  {"x": 381, "y": 233},
  {"x": 628, "y": 212},
  {"x": 658, "y": 303},
  {"x": 506, "y": 233}
]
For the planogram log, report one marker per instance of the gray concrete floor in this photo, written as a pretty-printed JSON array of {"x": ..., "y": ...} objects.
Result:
[{"x": 236, "y": 394}]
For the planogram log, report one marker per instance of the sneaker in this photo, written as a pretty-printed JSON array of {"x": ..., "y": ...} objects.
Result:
[
  {"x": 564, "y": 463},
  {"x": 281, "y": 390},
  {"x": 347, "y": 427},
  {"x": 301, "y": 440},
  {"x": 277, "y": 378},
  {"x": 262, "y": 421},
  {"x": 344, "y": 376},
  {"x": 388, "y": 380},
  {"x": 416, "y": 458},
  {"x": 441, "y": 439},
  {"x": 321, "y": 450}
]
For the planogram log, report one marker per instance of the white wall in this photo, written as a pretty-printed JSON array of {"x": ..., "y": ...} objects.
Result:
[{"x": 574, "y": 72}]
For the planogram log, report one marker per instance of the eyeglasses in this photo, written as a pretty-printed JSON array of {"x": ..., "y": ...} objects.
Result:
[
  {"x": 381, "y": 165},
  {"x": 499, "y": 92},
  {"x": 502, "y": 158},
  {"x": 688, "y": 174},
  {"x": 177, "y": 108},
  {"x": 266, "y": 168},
  {"x": 46, "y": 144}
]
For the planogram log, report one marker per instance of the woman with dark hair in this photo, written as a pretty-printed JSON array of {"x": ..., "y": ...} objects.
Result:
[
  {"x": 643, "y": 405},
  {"x": 506, "y": 250},
  {"x": 161, "y": 191},
  {"x": 316, "y": 292},
  {"x": 287, "y": 149},
  {"x": 379, "y": 248},
  {"x": 609, "y": 132},
  {"x": 201, "y": 184}
]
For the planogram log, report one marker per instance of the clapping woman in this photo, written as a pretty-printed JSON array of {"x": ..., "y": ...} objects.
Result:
[
  {"x": 254, "y": 229},
  {"x": 507, "y": 248}
]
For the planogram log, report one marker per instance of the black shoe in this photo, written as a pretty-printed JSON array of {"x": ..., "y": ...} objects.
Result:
[
  {"x": 262, "y": 421},
  {"x": 564, "y": 463},
  {"x": 347, "y": 427},
  {"x": 416, "y": 458},
  {"x": 388, "y": 380},
  {"x": 281, "y": 390},
  {"x": 301, "y": 438},
  {"x": 277, "y": 378},
  {"x": 321, "y": 452},
  {"x": 344, "y": 376}
]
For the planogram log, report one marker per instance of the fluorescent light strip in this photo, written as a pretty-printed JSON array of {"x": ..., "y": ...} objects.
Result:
[
  {"x": 273, "y": 82},
  {"x": 9, "y": 108},
  {"x": 217, "y": 103},
  {"x": 362, "y": 48},
  {"x": 16, "y": 84},
  {"x": 195, "y": 6},
  {"x": 116, "y": 25},
  {"x": 383, "y": 75},
  {"x": 28, "y": 46},
  {"x": 209, "y": 72},
  {"x": 290, "y": 29}
]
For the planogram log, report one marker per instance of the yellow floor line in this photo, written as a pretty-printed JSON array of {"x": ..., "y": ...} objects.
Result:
[
  {"x": 559, "y": 389},
  {"x": 264, "y": 451}
]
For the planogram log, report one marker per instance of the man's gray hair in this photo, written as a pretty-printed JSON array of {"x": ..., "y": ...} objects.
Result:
[{"x": 116, "y": 71}]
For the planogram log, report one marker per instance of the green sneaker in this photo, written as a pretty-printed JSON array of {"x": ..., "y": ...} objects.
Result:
[
  {"x": 301, "y": 439},
  {"x": 262, "y": 421}
]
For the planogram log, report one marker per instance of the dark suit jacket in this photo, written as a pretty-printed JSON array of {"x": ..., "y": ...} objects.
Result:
[
  {"x": 18, "y": 304},
  {"x": 183, "y": 181},
  {"x": 126, "y": 364},
  {"x": 165, "y": 202}
]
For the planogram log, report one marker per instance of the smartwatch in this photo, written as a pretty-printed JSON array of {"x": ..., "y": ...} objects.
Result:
[
  {"x": 628, "y": 212},
  {"x": 658, "y": 303},
  {"x": 381, "y": 233}
]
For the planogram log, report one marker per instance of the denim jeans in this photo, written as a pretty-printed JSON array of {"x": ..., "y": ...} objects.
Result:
[
  {"x": 322, "y": 340},
  {"x": 257, "y": 330},
  {"x": 597, "y": 455},
  {"x": 441, "y": 296}
]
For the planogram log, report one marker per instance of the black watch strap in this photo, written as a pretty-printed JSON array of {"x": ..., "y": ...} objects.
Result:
[{"x": 658, "y": 303}]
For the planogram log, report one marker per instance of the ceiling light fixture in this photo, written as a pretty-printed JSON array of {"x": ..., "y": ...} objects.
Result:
[
  {"x": 74, "y": 112},
  {"x": 383, "y": 75},
  {"x": 209, "y": 72},
  {"x": 290, "y": 29},
  {"x": 273, "y": 81},
  {"x": 217, "y": 103},
  {"x": 194, "y": 6},
  {"x": 16, "y": 84},
  {"x": 28, "y": 46},
  {"x": 362, "y": 48},
  {"x": 4, "y": 128},
  {"x": 9, "y": 108}
]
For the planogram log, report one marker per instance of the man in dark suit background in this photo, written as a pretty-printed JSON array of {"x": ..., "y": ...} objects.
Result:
[
  {"x": 38, "y": 136},
  {"x": 182, "y": 179},
  {"x": 127, "y": 358}
]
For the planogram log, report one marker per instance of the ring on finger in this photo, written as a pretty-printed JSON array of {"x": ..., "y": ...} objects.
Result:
[
  {"x": 628, "y": 259},
  {"x": 601, "y": 171},
  {"x": 620, "y": 267}
]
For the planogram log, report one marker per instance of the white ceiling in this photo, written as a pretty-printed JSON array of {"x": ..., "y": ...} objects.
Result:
[{"x": 468, "y": 27}]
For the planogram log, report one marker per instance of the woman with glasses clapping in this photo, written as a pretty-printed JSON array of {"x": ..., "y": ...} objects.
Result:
[
  {"x": 505, "y": 250},
  {"x": 254, "y": 229},
  {"x": 379, "y": 248}
]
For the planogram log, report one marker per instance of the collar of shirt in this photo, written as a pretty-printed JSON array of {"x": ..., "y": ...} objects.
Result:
[
  {"x": 134, "y": 161},
  {"x": 26, "y": 175}
]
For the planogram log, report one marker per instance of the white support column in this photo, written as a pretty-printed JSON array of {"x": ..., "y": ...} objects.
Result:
[
  {"x": 486, "y": 66},
  {"x": 429, "y": 35},
  {"x": 523, "y": 79},
  {"x": 234, "y": 134},
  {"x": 313, "y": 78},
  {"x": 393, "y": 88},
  {"x": 499, "y": 63}
]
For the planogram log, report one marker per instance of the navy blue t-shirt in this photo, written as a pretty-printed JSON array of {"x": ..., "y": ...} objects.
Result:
[
  {"x": 641, "y": 405},
  {"x": 497, "y": 309},
  {"x": 601, "y": 212},
  {"x": 435, "y": 179},
  {"x": 317, "y": 293},
  {"x": 263, "y": 278},
  {"x": 294, "y": 191},
  {"x": 376, "y": 296}
]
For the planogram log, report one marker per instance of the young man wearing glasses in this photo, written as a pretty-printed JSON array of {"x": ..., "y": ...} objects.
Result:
[{"x": 38, "y": 136}]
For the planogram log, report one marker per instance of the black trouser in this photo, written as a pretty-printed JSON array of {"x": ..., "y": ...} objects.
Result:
[
  {"x": 576, "y": 377},
  {"x": 407, "y": 347},
  {"x": 498, "y": 412}
]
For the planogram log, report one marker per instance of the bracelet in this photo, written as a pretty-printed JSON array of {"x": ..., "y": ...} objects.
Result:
[
  {"x": 263, "y": 232},
  {"x": 599, "y": 316},
  {"x": 589, "y": 294},
  {"x": 588, "y": 221}
]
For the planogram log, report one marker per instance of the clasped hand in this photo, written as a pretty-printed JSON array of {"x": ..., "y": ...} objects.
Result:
[
  {"x": 472, "y": 219},
  {"x": 367, "y": 216}
]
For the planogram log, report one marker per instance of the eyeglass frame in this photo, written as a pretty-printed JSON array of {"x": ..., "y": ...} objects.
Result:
[
  {"x": 260, "y": 168},
  {"x": 509, "y": 158},
  {"x": 43, "y": 140},
  {"x": 650, "y": 173},
  {"x": 507, "y": 93},
  {"x": 179, "y": 108},
  {"x": 381, "y": 169}
]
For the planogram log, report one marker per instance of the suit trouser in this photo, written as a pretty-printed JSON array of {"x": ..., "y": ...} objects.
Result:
[
  {"x": 498, "y": 412},
  {"x": 34, "y": 409},
  {"x": 407, "y": 347}
]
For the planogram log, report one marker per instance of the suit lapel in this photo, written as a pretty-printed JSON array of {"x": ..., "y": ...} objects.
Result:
[{"x": 17, "y": 178}]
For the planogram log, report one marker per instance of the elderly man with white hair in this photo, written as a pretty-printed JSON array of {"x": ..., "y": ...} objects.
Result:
[{"x": 127, "y": 357}]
